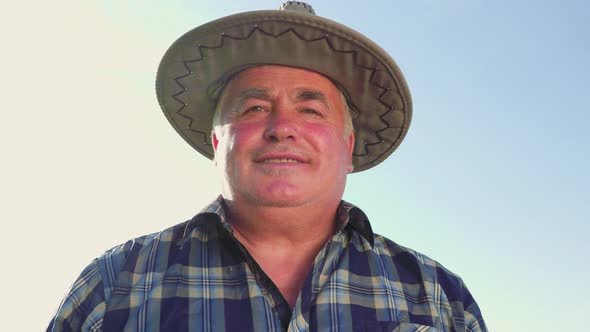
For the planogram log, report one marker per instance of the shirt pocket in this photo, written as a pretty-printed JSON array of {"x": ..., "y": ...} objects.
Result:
[{"x": 377, "y": 326}]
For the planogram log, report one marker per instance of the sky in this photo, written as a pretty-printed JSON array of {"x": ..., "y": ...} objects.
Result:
[{"x": 491, "y": 179}]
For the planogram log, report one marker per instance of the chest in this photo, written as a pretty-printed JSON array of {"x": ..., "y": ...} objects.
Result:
[{"x": 338, "y": 294}]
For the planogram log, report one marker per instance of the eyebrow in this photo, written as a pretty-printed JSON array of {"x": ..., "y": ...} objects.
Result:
[
  {"x": 307, "y": 94},
  {"x": 258, "y": 93},
  {"x": 304, "y": 94}
]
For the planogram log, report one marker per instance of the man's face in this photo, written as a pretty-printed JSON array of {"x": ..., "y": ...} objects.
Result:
[{"x": 281, "y": 139}]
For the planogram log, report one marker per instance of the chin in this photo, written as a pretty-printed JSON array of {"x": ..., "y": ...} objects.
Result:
[
  {"x": 292, "y": 198},
  {"x": 279, "y": 199},
  {"x": 280, "y": 194},
  {"x": 278, "y": 203}
]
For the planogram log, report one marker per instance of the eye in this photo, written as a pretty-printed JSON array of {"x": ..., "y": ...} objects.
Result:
[
  {"x": 311, "y": 111},
  {"x": 255, "y": 109}
]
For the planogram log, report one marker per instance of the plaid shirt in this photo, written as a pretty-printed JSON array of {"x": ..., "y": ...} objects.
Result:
[{"x": 197, "y": 277}]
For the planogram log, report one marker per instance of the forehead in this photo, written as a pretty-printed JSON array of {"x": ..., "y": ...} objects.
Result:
[{"x": 281, "y": 79}]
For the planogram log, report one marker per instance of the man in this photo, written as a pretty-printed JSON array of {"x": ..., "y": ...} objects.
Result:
[{"x": 293, "y": 103}]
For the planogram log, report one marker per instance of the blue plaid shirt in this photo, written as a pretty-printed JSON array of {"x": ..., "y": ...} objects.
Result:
[{"x": 196, "y": 276}]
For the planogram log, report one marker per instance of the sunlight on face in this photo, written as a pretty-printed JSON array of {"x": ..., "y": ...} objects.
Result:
[{"x": 281, "y": 137}]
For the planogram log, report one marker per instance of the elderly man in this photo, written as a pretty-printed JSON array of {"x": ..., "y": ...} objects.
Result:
[{"x": 293, "y": 103}]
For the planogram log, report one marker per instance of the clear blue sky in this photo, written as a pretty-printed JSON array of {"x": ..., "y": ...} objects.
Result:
[{"x": 492, "y": 179}]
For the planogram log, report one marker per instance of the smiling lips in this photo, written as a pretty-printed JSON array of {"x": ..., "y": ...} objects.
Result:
[{"x": 280, "y": 159}]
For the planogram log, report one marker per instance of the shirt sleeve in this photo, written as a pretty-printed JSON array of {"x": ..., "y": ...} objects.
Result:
[
  {"x": 83, "y": 307},
  {"x": 472, "y": 314}
]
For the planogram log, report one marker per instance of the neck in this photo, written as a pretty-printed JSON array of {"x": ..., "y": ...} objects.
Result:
[
  {"x": 290, "y": 227},
  {"x": 283, "y": 236}
]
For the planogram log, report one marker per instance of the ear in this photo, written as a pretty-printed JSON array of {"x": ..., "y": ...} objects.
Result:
[
  {"x": 214, "y": 140},
  {"x": 350, "y": 149}
]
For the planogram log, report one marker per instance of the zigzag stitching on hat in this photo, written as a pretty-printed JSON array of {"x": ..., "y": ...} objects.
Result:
[
  {"x": 389, "y": 109},
  {"x": 388, "y": 125},
  {"x": 182, "y": 104},
  {"x": 292, "y": 30}
]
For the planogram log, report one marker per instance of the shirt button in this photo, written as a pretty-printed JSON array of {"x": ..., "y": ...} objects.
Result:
[{"x": 404, "y": 317}]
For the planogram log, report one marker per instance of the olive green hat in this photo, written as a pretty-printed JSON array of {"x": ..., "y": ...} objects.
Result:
[{"x": 196, "y": 66}]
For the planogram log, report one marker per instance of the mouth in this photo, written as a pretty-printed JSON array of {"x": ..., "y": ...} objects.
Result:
[
  {"x": 288, "y": 159},
  {"x": 279, "y": 160}
]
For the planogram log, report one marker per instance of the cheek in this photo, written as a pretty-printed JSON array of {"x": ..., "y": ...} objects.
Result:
[
  {"x": 325, "y": 137},
  {"x": 332, "y": 145},
  {"x": 241, "y": 137}
]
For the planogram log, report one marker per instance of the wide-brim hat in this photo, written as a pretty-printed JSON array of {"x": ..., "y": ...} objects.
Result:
[{"x": 194, "y": 69}]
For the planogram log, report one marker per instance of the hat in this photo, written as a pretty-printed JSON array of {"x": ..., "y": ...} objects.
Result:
[{"x": 195, "y": 67}]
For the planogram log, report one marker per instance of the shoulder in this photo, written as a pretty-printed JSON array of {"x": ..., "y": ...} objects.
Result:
[
  {"x": 84, "y": 306},
  {"x": 153, "y": 254},
  {"x": 414, "y": 266},
  {"x": 444, "y": 287},
  {"x": 171, "y": 239},
  {"x": 167, "y": 237},
  {"x": 142, "y": 250}
]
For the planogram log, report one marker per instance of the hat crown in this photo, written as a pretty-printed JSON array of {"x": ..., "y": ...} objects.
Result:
[{"x": 297, "y": 6}]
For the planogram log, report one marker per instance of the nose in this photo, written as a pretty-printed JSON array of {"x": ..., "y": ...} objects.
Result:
[{"x": 281, "y": 126}]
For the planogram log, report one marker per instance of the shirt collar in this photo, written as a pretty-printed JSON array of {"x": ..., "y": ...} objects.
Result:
[
  {"x": 348, "y": 215},
  {"x": 353, "y": 217}
]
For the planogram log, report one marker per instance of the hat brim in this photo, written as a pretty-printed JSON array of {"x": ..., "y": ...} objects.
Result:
[{"x": 377, "y": 93}]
